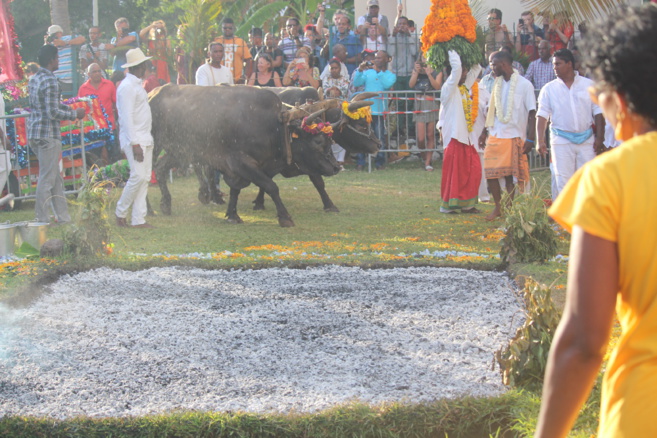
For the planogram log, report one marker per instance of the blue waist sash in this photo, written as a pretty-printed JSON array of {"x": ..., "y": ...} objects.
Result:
[{"x": 573, "y": 137}]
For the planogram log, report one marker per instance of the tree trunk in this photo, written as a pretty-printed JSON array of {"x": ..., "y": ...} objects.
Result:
[{"x": 59, "y": 15}]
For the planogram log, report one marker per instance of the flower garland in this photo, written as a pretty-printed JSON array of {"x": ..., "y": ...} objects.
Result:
[
  {"x": 470, "y": 104},
  {"x": 364, "y": 112},
  {"x": 316, "y": 128},
  {"x": 504, "y": 116}
]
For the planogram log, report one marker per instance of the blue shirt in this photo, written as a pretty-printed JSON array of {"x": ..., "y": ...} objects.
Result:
[
  {"x": 119, "y": 57},
  {"x": 352, "y": 43},
  {"x": 376, "y": 82}
]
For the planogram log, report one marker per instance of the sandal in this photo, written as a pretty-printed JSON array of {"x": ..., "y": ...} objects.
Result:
[
  {"x": 428, "y": 168},
  {"x": 472, "y": 210}
]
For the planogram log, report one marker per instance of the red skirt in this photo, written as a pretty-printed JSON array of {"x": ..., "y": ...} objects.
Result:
[{"x": 459, "y": 187}]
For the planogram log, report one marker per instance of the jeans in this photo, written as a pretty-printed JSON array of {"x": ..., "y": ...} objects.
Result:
[{"x": 378, "y": 126}]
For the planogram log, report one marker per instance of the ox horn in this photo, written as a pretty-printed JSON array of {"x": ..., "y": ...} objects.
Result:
[
  {"x": 362, "y": 96},
  {"x": 320, "y": 92},
  {"x": 301, "y": 112},
  {"x": 355, "y": 106},
  {"x": 316, "y": 114}
]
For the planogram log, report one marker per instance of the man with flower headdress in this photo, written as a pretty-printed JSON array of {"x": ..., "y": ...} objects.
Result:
[
  {"x": 462, "y": 105},
  {"x": 512, "y": 108}
]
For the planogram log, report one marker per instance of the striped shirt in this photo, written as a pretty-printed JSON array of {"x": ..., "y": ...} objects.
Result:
[
  {"x": 47, "y": 111},
  {"x": 64, "y": 73},
  {"x": 540, "y": 73}
]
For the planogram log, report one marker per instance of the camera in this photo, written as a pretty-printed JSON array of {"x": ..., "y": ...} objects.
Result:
[
  {"x": 521, "y": 22},
  {"x": 369, "y": 63}
]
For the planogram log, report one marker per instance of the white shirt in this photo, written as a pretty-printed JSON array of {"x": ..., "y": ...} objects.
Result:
[
  {"x": 452, "y": 115},
  {"x": 326, "y": 73},
  {"x": 207, "y": 75},
  {"x": 569, "y": 109},
  {"x": 524, "y": 101},
  {"x": 134, "y": 113}
]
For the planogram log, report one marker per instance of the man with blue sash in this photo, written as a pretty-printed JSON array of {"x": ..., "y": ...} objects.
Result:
[{"x": 565, "y": 101}]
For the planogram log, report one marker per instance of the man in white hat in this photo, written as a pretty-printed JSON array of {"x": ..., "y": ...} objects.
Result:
[
  {"x": 63, "y": 43},
  {"x": 136, "y": 140}
]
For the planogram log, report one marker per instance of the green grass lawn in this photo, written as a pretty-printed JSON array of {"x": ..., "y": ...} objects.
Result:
[{"x": 385, "y": 217}]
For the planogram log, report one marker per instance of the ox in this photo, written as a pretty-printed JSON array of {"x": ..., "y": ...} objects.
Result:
[
  {"x": 242, "y": 131},
  {"x": 353, "y": 135}
]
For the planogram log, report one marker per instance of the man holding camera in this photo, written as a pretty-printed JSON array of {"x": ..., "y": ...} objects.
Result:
[
  {"x": 124, "y": 40},
  {"x": 374, "y": 17},
  {"x": 294, "y": 41},
  {"x": 529, "y": 36}
]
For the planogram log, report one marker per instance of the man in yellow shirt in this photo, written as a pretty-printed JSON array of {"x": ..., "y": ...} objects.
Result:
[
  {"x": 609, "y": 206},
  {"x": 237, "y": 56}
]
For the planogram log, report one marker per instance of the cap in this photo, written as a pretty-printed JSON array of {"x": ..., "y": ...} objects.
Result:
[
  {"x": 368, "y": 52},
  {"x": 372, "y": 3},
  {"x": 54, "y": 29}
]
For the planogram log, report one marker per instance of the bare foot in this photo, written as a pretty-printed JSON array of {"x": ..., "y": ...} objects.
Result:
[{"x": 493, "y": 215}]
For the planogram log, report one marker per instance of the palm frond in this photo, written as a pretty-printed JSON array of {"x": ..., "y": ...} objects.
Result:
[
  {"x": 577, "y": 10},
  {"x": 260, "y": 16}
]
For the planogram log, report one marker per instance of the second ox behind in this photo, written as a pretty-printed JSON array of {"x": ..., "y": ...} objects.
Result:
[{"x": 242, "y": 131}]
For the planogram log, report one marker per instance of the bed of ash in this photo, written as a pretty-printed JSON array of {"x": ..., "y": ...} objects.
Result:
[{"x": 117, "y": 343}]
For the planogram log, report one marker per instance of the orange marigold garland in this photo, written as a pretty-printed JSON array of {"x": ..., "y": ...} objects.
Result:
[
  {"x": 470, "y": 99},
  {"x": 450, "y": 26}
]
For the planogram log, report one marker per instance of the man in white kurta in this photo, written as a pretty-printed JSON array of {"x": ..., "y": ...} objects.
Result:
[
  {"x": 212, "y": 72},
  {"x": 136, "y": 140},
  {"x": 512, "y": 108},
  {"x": 565, "y": 101},
  {"x": 5, "y": 161}
]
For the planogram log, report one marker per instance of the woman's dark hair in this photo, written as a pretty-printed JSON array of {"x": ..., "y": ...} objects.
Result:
[
  {"x": 335, "y": 61},
  {"x": 566, "y": 56},
  {"x": 621, "y": 52},
  {"x": 46, "y": 54}
]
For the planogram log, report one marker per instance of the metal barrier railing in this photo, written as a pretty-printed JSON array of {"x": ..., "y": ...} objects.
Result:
[
  {"x": 400, "y": 129},
  {"x": 24, "y": 174}
]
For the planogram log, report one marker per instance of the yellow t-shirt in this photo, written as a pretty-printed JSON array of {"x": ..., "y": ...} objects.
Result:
[
  {"x": 236, "y": 51},
  {"x": 615, "y": 197}
]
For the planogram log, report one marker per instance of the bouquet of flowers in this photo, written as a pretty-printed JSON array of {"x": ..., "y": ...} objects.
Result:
[{"x": 450, "y": 26}]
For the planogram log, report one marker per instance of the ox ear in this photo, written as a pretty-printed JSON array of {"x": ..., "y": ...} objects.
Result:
[{"x": 363, "y": 96}]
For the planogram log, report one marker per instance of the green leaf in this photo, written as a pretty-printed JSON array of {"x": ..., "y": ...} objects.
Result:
[{"x": 27, "y": 251}]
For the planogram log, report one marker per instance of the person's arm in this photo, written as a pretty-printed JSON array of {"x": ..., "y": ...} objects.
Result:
[
  {"x": 287, "y": 78},
  {"x": 56, "y": 110},
  {"x": 388, "y": 79},
  {"x": 451, "y": 83},
  {"x": 277, "y": 79},
  {"x": 530, "y": 142},
  {"x": 202, "y": 77},
  {"x": 599, "y": 142},
  {"x": 278, "y": 59},
  {"x": 359, "y": 79},
  {"x": 143, "y": 34},
  {"x": 436, "y": 80},
  {"x": 125, "y": 40},
  {"x": 252, "y": 79},
  {"x": 529, "y": 74},
  {"x": 356, "y": 58},
  {"x": 541, "y": 144},
  {"x": 249, "y": 66},
  {"x": 126, "y": 105},
  {"x": 320, "y": 19},
  {"x": 414, "y": 74},
  {"x": 581, "y": 339}
]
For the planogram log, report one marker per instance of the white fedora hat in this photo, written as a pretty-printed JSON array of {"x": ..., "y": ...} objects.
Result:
[{"x": 135, "y": 57}]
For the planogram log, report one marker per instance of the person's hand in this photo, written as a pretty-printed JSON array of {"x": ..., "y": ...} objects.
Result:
[
  {"x": 400, "y": 8},
  {"x": 364, "y": 66},
  {"x": 553, "y": 26},
  {"x": 80, "y": 113},
  {"x": 138, "y": 153},
  {"x": 427, "y": 69},
  {"x": 529, "y": 145},
  {"x": 541, "y": 148},
  {"x": 482, "y": 139},
  {"x": 321, "y": 8},
  {"x": 417, "y": 67},
  {"x": 599, "y": 147}
]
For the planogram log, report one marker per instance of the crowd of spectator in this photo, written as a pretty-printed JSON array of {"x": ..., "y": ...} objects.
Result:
[{"x": 341, "y": 58}]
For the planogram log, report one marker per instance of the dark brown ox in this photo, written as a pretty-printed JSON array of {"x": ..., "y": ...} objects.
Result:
[
  {"x": 244, "y": 132},
  {"x": 356, "y": 136}
]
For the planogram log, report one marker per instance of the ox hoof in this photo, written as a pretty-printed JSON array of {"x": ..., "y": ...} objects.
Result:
[
  {"x": 258, "y": 206},
  {"x": 232, "y": 220},
  {"x": 285, "y": 223},
  {"x": 166, "y": 209},
  {"x": 204, "y": 198},
  {"x": 333, "y": 209}
]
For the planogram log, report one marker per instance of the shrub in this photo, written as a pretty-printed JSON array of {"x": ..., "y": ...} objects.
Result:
[
  {"x": 529, "y": 236},
  {"x": 522, "y": 362}
]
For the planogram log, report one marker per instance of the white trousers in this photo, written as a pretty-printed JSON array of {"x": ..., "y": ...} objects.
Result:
[
  {"x": 5, "y": 168},
  {"x": 338, "y": 152},
  {"x": 136, "y": 189},
  {"x": 567, "y": 158},
  {"x": 484, "y": 196}
]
